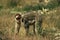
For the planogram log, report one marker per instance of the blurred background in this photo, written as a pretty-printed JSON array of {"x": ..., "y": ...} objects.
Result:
[{"x": 51, "y": 23}]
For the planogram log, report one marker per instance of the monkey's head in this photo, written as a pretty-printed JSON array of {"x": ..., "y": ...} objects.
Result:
[{"x": 18, "y": 16}]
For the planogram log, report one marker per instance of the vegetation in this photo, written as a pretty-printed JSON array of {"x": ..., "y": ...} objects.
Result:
[{"x": 50, "y": 25}]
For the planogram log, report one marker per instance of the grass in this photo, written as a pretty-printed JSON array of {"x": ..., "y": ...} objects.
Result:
[
  {"x": 50, "y": 22},
  {"x": 50, "y": 25}
]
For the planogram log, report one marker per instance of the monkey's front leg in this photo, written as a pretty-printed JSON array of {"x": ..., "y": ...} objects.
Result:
[
  {"x": 27, "y": 29},
  {"x": 17, "y": 28}
]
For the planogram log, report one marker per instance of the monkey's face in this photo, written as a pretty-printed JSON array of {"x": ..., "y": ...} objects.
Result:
[{"x": 18, "y": 16}]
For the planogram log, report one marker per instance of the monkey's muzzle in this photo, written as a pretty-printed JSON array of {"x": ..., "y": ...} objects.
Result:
[{"x": 17, "y": 18}]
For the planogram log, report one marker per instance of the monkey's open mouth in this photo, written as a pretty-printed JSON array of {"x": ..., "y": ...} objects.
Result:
[{"x": 17, "y": 18}]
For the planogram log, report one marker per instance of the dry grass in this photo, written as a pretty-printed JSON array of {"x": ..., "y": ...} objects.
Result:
[{"x": 7, "y": 27}]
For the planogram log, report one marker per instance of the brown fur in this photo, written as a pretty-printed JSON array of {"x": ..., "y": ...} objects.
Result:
[
  {"x": 17, "y": 23},
  {"x": 28, "y": 20}
]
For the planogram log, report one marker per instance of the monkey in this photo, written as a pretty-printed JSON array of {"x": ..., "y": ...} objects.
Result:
[
  {"x": 17, "y": 23},
  {"x": 29, "y": 19}
]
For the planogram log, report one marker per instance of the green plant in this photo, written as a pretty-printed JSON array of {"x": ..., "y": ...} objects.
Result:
[
  {"x": 12, "y": 3},
  {"x": 27, "y": 8},
  {"x": 1, "y": 7},
  {"x": 38, "y": 7},
  {"x": 52, "y": 4}
]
